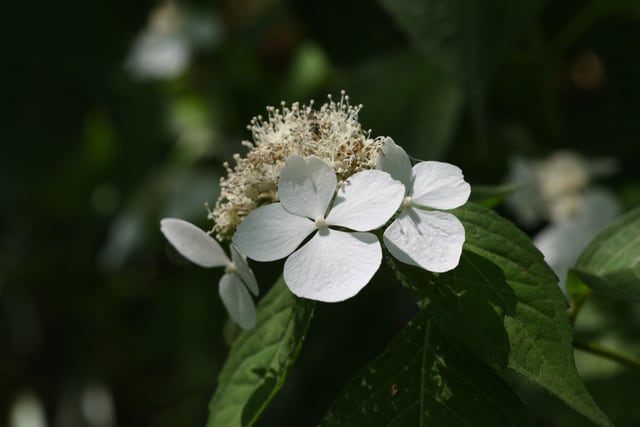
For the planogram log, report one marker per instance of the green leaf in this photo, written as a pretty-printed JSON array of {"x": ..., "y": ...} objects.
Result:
[
  {"x": 611, "y": 262},
  {"x": 425, "y": 378},
  {"x": 490, "y": 196},
  {"x": 504, "y": 304},
  {"x": 260, "y": 359},
  {"x": 468, "y": 38}
]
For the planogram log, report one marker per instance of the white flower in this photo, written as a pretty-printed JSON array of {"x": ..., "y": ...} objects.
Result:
[
  {"x": 553, "y": 188},
  {"x": 164, "y": 48},
  {"x": 333, "y": 265},
  {"x": 425, "y": 238},
  {"x": 561, "y": 243},
  {"x": 199, "y": 248}
]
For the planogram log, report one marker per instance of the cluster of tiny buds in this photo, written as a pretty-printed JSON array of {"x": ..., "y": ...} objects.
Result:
[{"x": 331, "y": 132}]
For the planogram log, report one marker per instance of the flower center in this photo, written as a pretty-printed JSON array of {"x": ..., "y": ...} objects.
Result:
[
  {"x": 321, "y": 223},
  {"x": 230, "y": 268},
  {"x": 407, "y": 202}
]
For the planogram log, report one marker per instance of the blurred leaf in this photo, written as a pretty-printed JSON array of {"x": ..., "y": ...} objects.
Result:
[
  {"x": 426, "y": 378},
  {"x": 260, "y": 359},
  {"x": 466, "y": 38},
  {"x": 504, "y": 304},
  {"x": 419, "y": 105},
  {"x": 490, "y": 196},
  {"x": 611, "y": 262}
]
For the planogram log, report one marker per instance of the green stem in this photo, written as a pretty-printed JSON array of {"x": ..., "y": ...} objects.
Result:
[
  {"x": 623, "y": 359},
  {"x": 576, "y": 305}
]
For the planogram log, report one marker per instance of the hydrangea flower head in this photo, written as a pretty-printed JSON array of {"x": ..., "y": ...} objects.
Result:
[
  {"x": 334, "y": 264},
  {"x": 199, "y": 248},
  {"x": 425, "y": 238},
  {"x": 331, "y": 133}
]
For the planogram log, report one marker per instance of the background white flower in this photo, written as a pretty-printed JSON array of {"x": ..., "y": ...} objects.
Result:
[
  {"x": 333, "y": 265},
  {"x": 553, "y": 188},
  {"x": 425, "y": 238},
  {"x": 200, "y": 248},
  {"x": 562, "y": 242}
]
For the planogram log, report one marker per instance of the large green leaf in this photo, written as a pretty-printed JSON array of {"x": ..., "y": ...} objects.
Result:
[
  {"x": 468, "y": 38},
  {"x": 425, "y": 378},
  {"x": 504, "y": 304},
  {"x": 260, "y": 359},
  {"x": 611, "y": 262}
]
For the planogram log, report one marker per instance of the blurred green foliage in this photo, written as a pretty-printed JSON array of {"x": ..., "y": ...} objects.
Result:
[{"x": 94, "y": 155}]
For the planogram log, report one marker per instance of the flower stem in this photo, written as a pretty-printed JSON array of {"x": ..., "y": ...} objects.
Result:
[{"x": 623, "y": 359}]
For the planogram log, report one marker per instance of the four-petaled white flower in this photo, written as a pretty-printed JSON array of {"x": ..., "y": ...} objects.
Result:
[
  {"x": 333, "y": 265},
  {"x": 200, "y": 248},
  {"x": 425, "y": 238}
]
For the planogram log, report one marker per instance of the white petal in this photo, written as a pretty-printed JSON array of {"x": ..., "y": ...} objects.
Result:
[
  {"x": 394, "y": 160},
  {"x": 244, "y": 271},
  {"x": 431, "y": 240},
  {"x": 237, "y": 301},
  {"x": 366, "y": 201},
  {"x": 193, "y": 243},
  {"x": 270, "y": 233},
  {"x": 439, "y": 185},
  {"x": 333, "y": 265},
  {"x": 306, "y": 186}
]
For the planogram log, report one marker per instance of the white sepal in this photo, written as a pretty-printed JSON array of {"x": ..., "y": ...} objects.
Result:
[
  {"x": 306, "y": 186},
  {"x": 366, "y": 201},
  {"x": 427, "y": 239},
  {"x": 439, "y": 185},
  {"x": 237, "y": 301},
  {"x": 193, "y": 243},
  {"x": 270, "y": 233},
  {"x": 333, "y": 266}
]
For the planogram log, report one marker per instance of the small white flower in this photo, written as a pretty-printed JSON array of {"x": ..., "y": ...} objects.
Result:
[
  {"x": 333, "y": 265},
  {"x": 200, "y": 248},
  {"x": 428, "y": 239}
]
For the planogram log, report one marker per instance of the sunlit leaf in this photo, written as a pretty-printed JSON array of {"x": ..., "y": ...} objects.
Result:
[
  {"x": 504, "y": 304},
  {"x": 425, "y": 378},
  {"x": 260, "y": 359},
  {"x": 611, "y": 262}
]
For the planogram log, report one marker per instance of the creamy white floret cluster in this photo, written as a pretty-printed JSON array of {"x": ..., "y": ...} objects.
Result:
[{"x": 331, "y": 133}]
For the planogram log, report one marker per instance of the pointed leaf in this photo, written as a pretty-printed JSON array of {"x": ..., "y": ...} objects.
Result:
[
  {"x": 611, "y": 262},
  {"x": 260, "y": 359},
  {"x": 425, "y": 378},
  {"x": 504, "y": 304}
]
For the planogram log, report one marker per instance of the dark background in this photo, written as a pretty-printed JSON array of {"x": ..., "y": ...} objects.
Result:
[{"x": 92, "y": 297}]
